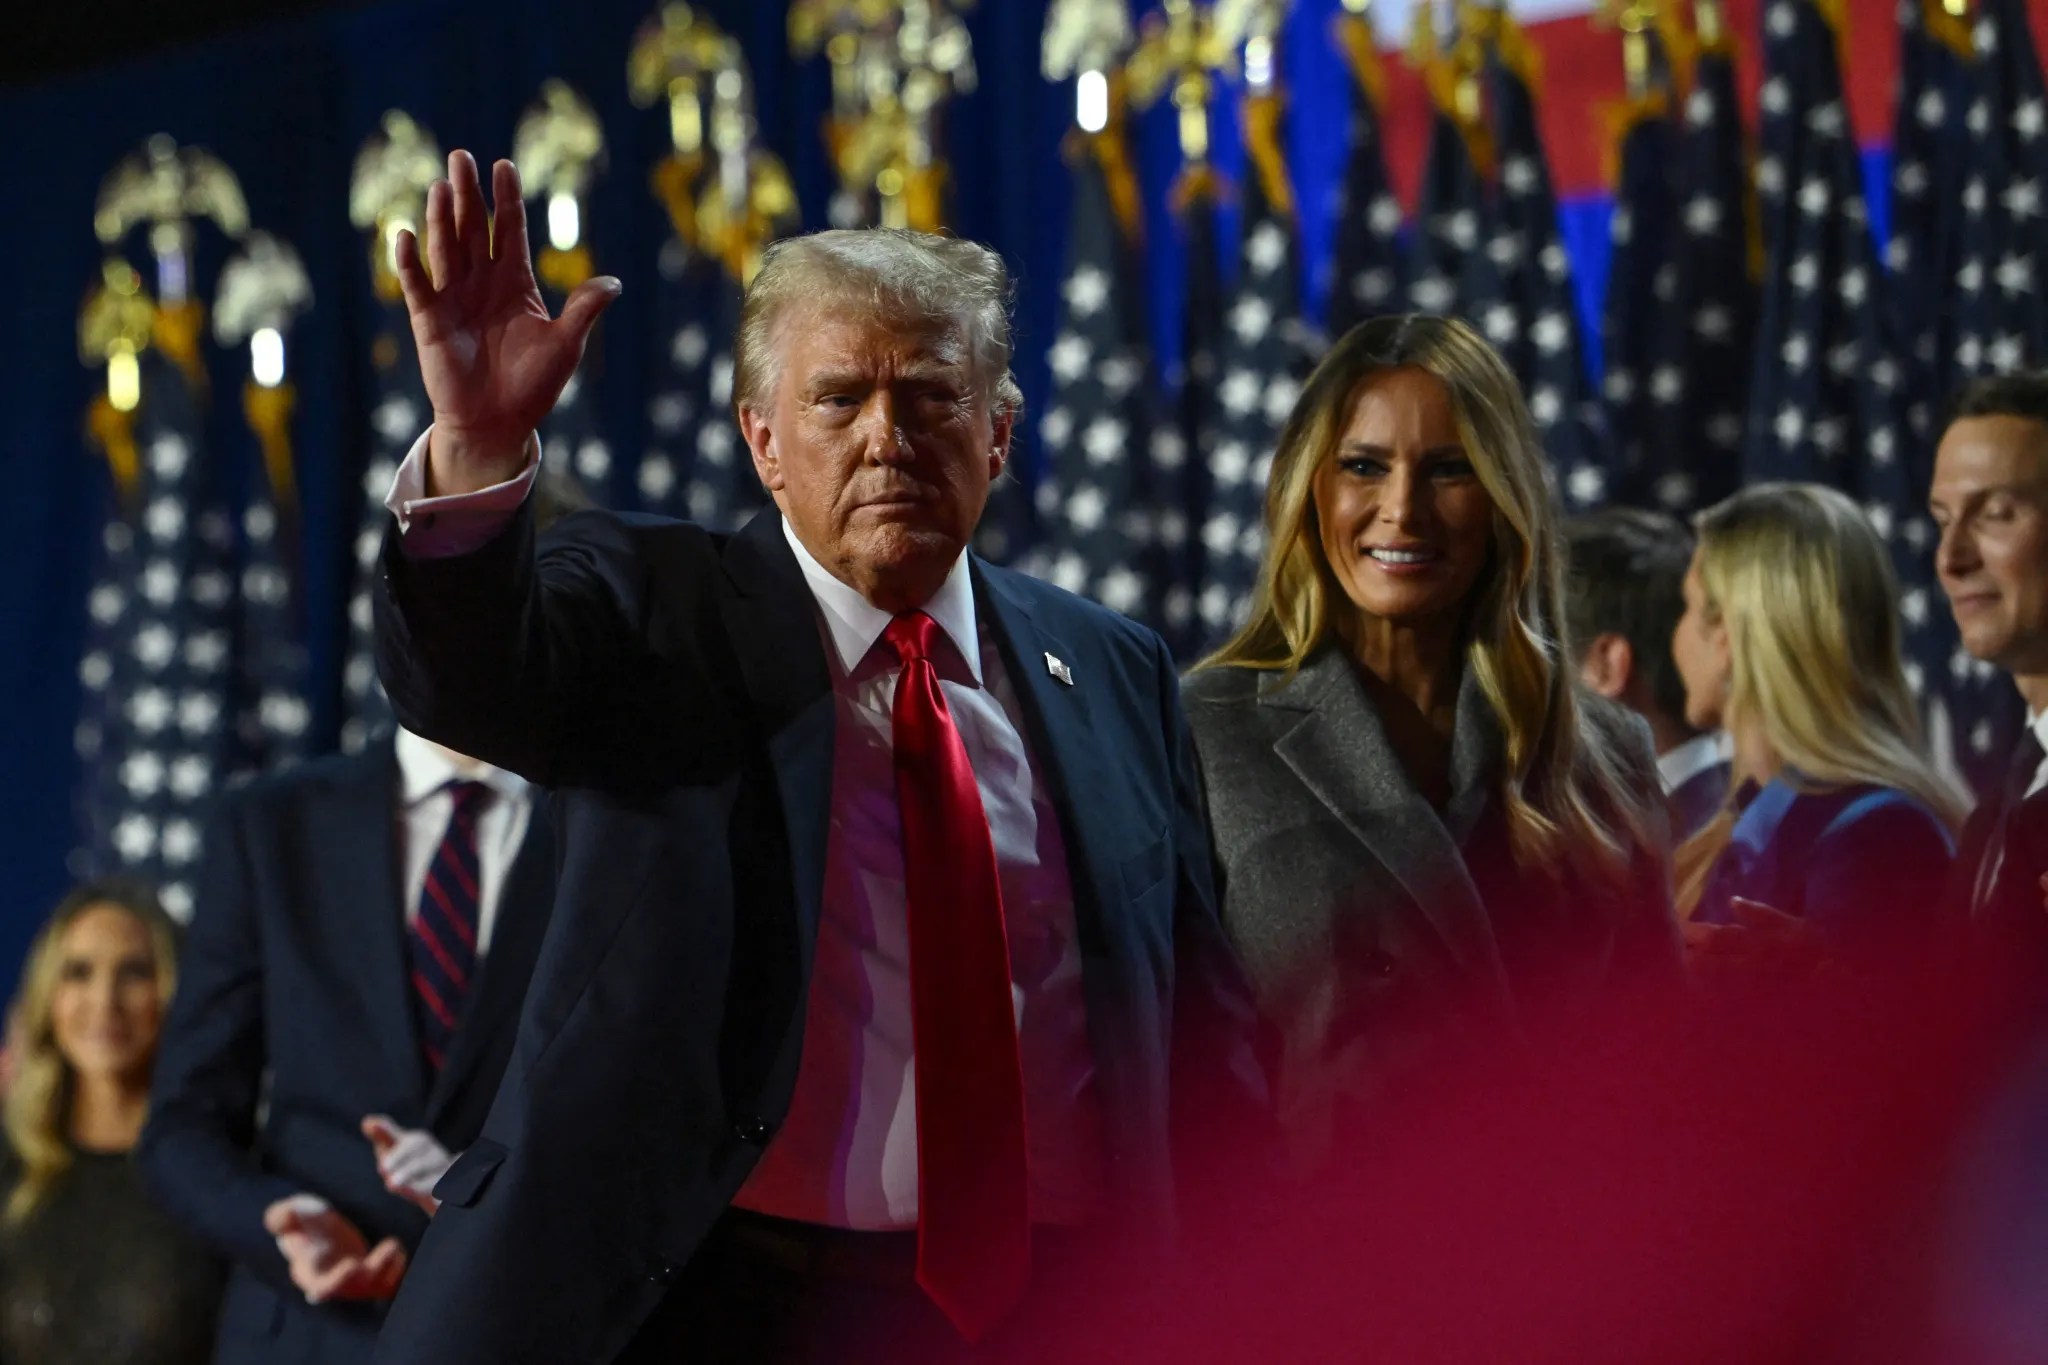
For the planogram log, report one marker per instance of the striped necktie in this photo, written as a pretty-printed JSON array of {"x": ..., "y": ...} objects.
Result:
[{"x": 443, "y": 939}]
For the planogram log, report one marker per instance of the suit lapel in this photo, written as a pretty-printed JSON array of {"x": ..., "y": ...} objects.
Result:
[
  {"x": 1060, "y": 726},
  {"x": 771, "y": 620},
  {"x": 1339, "y": 750},
  {"x": 492, "y": 1008},
  {"x": 362, "y": 882}
]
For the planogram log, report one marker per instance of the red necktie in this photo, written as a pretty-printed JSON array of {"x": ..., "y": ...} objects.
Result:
[{"x": 973, "y": 1223}]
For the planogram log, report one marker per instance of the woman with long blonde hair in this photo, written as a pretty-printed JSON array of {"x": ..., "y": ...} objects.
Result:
[
  {"x": 1791, "y": 642},
  {"x": 90, "y": 1270},
  {"x": 1412, "y": 800}
]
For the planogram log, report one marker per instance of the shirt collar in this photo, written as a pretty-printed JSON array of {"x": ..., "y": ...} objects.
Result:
[
  {"x": 855, "y": 623},
  {"x": 2038, "y": 723},
  {"x": 425, "y": 767},
  {"x": 1676, "y": 766}
]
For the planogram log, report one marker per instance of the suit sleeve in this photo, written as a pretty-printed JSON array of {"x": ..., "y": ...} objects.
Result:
[
  {"x": 1220, "y": 1110},
  {"x": 197, "y": 1150},
  {"x": 535, "y": 662}
]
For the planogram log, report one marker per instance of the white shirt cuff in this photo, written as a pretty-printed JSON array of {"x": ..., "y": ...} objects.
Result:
[{"x": 457, "y": 524}]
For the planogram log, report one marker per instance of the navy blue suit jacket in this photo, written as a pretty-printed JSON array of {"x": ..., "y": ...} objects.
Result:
[
  {"x": 1856, "y": 860},
  {"x": 671, "y": 688},
  {"x": 293, "y": 1000}
]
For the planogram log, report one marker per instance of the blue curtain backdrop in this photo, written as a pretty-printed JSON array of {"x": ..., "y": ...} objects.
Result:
[{"x": 287, "y": 107}]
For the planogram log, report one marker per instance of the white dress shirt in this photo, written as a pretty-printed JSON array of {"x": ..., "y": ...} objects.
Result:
[
  {"x": 1678, "y": 765},
  {"x": 847, "y": 1153},
  {"x": 424, "y": 805},
  {"x": 2038, "y": 723}
]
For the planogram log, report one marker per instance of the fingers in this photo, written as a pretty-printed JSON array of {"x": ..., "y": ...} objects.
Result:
[
  {"x": 382, "y": 1133},
  {"x": 586, "y": 305},
  {"x": 412, "y": 276},
  {"x": 472, "y": 219},
  {"x": 293, "y": 1214},
  {"x": 441, "y": 248},
  {"x": 509, "y": 230}
]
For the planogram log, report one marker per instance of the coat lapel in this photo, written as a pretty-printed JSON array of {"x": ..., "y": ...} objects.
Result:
[
  {"x": 1059, "y": 723},
  {"x": 1339, "y": 749},
  {"x": 492, "y": 1008},
  {"x": 360, "y": 837},
  {"x": 771, "y": 619}
]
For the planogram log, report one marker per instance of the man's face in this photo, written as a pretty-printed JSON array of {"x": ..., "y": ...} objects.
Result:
[
  {"x": 1990, "y": 501},
  {"x": 878, "y": 445}
]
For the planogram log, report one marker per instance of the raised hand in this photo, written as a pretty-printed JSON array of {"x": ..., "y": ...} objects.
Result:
[{"x": 494, "y": 362}]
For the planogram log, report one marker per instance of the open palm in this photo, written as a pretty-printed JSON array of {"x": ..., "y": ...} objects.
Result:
[{"x": 493, "y": 361}]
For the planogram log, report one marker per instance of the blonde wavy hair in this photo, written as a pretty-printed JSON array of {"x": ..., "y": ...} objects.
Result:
[
  {"x": 1804, "y": 587},
  {"x": 1565, "y": 785},
  {"x": 37, "y": 1112}
]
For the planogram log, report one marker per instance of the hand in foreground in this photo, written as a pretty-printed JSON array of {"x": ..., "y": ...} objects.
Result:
[
  {"x": 493, "y": 361},
  {"x": 411, "y": 1161},
  {"x": 329, "y": 1258},
  {"x": 1762, "y": 939}
]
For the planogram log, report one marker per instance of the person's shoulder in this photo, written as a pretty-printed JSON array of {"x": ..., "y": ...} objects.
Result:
[
  {"x": 640, "y": 530},
  {"x": 290, "y": 785},
  {"x": 1883, "y": 818},
  {"x": 1223, "y": 687},
  {"x": 1073, "y": 615},
  {"x": 1616, "y": 726}
]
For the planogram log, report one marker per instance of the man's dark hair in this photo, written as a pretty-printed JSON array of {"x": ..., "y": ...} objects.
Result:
[
  {"x": 1627, "y": 567},
  {"x": 2022, "y": 394}
]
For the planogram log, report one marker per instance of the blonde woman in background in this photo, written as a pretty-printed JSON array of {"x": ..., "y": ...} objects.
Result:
[
  {"x": 1790, "y": 640},
  {"x": 1416, "y": 810},
  {"x": 90, "y": 1272}
]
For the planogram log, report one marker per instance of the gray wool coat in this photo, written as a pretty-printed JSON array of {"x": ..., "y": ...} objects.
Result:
[{"x": 1375, "y": 928}]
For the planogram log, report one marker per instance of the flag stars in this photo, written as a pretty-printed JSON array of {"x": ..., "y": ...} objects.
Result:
[
  {"x": 1086, "y": 290},
  {"x": 1266, "y": 251},
  {"x": 1069, "y": 357},
  {"x": 1251, "y": 317}
]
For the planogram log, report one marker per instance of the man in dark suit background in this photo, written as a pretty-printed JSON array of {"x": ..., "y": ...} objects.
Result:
[
  {"x": 362, "y": 938},
  {"x": 1623, "y": 602},
  {"x": 1990, "y": 501},
  {"x": 870, "y": 848}
]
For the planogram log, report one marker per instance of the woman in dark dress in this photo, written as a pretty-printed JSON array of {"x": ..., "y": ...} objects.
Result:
[{"x": 90, "y": 1272}]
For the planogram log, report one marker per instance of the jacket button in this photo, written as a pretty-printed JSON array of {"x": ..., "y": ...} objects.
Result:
[
  {"x": 753, "y": 1130},
  {"x": 663, "y": 1272}
]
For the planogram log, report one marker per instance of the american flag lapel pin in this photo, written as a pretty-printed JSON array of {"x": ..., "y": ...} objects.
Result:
[{"x": 1059, "y": 670}]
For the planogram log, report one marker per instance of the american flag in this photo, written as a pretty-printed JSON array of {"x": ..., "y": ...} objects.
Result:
[
  {"x": 695, "y": 465},
  {"x": 2000, "y": 323},
  {"x": 272, "y": 718},
  {"x": 1641, "y": 231},
  {"x": 399, "y": 412},
  {"x": 1930, "y": 158},
  {"x": 1690, "y": 372},
  {"x": 1263, "y": 354},
  {"x": 1369, "y": 270},
  {"x": 1521, "y": 284},
  {"x": 1826, "y": 401},
  {"x": 155, "y": 733},
  {"x": 572, "y": 435},
  {"x": 1114, "y": 534},
  {"x": 1453, "y": 217},
  {"x": 1180, "y": 443}
]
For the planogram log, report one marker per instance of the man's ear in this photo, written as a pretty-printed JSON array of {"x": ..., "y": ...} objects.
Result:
[
  {"x": 1608, "y": 665},
  {"x": 999, "y": 453},
  {"x": 760, "y": 441}
]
